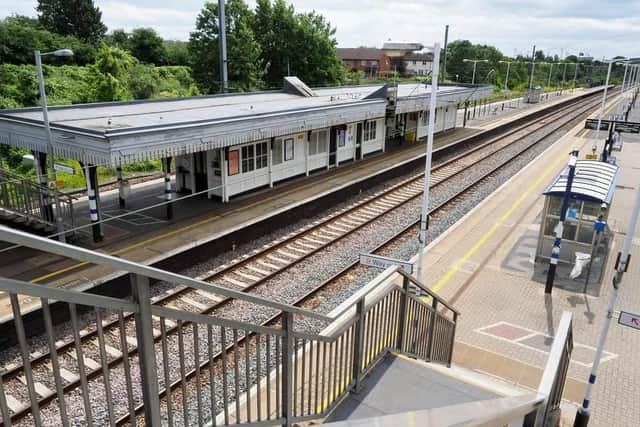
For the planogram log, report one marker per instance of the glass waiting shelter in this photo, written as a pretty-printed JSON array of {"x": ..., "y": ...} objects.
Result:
[{"x": 591, "y": 195}]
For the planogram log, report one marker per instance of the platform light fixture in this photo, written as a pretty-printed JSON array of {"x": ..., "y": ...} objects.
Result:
[
  {"x": 45, "y": 118},
  {"x": 506, "y": 79},
  {"x": 475, "y": 63}
]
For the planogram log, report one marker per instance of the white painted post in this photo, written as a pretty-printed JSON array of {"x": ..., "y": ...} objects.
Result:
[
  {"x": 270, "y": 162},
  {"x": 424, "y": 217},
  {"x": 306, "y": 153},
  {"x": 582, "y": 417},
  {"x": 223, "y": 164}
]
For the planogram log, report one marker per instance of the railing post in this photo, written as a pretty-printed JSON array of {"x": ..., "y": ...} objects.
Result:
[
  {"x": 146, "y": 349},
  {"x": 453, "y": 339},
  {"x": 432, "y": 328},
  {"x": 357, "y": 344},
  {"x": 287, "y": 368},
  {"x": 402, "y": 315}
]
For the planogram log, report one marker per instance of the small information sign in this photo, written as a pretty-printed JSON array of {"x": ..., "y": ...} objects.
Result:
[
  {"x": 631, "y": 320},
  {"x": 379, "y": 261}
]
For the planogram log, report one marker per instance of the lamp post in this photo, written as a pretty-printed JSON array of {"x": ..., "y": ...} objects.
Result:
[
  {"x": 45, "y": 117},
  {"x": 506, "y": 79},
  {"x": 564, "y": 74},
  {"x": 424, "y": 217},
  {"x": 575, "y": 75},
  {"x": 550, "y": 64},
  {"x": 555, "y": 251},
  {"x": 475, "y": 63}
]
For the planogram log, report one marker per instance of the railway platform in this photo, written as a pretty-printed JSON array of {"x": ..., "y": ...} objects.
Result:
[
  {"x": 485, "y": 265},
  {"x": 199, "y": 222}
]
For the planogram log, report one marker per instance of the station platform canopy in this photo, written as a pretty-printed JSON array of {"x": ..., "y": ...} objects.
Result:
[
  {"x": 115, "y": 133},
  {"x": 594, "y": 181}
]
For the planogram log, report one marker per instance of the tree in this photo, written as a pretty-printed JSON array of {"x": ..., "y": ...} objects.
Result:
[
  {"x": 177, "y": 52},
  {"x": 78, "y": 18},
  {"x": 243, "y": 52},
  {"x": 298, "y": 44},
  {"x": 118, "y": 38},
  {"x": 111, "y": 72},
  {"x": 146, "y": 45},
  {"x": 20, "y": 36}
]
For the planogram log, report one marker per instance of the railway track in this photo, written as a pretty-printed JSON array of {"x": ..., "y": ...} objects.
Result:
[{"x": 256, "y": 268}]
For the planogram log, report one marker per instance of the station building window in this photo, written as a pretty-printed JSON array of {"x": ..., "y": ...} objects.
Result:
[
  {"x": 370, "y": 130},
  {"x": 288, "y": 149},
  {"x": 318, "y": 142},
  {"x": 261, "y": 155},
  {"x": 276, "y": 152},
  {"x": 248, "y": 158}
]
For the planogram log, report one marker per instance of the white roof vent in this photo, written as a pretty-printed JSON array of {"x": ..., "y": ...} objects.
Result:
[{"x": 295, "y": 86}]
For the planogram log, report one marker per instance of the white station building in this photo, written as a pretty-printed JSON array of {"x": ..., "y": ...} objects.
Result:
[{"x": 229, "y": 144}]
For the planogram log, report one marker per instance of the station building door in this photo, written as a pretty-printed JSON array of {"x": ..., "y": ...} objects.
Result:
[
  {"x": 200, "y": 170},
  {"x": 358, "y": 141},
  {"x": 333, "y": 146}
]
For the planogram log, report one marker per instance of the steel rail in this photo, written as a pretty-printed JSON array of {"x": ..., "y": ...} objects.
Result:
[
  {"x": 327, "y": 283},
  {"x": 175, "y": 295}
]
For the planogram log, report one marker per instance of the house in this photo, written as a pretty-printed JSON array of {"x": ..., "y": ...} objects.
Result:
[
  {"x": 418, "y": 63},
  {"x": 370, "y": 61}
]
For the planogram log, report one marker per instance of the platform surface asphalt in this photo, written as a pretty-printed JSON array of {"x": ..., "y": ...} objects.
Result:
[
  {"x": 199, "y": 220},
  {"x": 506, "y": 321}
]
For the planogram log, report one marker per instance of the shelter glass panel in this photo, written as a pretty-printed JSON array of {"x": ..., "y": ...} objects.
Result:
[
  {"x": 591, "y": 211},
  {"x": 585, "y": 233}
]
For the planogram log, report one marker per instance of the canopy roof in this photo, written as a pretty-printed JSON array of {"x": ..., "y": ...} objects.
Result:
[
  {"x": 594, "y": 181},
  {"x": 124, "y": 132}
]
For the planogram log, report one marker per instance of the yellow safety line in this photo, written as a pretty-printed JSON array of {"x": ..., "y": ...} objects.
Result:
[
  {"x": 188, "y": 227},
  {"x": 454, "y": 269},
  {"x": 197, "y": 224}
]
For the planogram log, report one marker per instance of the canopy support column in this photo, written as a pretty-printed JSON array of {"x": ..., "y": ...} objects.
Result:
[
  {"x": 168, "y": 191},
  {"x": 91, "y": 175}
]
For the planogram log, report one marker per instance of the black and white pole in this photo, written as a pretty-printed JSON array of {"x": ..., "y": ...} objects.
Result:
[
  {"x": 121, "y": 200},
  {"x": 555, "y": 251},
  {"x": 622, "y": 264},
  {"x": 168, "y": 192},
  {"x": 424, "y": 217},
  {"x": 91, "y": 177}
]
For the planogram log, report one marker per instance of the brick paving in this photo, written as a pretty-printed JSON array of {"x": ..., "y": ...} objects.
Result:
[{"x": 500, "y": 303}]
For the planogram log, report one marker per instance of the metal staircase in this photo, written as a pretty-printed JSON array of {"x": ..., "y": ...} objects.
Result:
[{"x": 22, "y": 204}]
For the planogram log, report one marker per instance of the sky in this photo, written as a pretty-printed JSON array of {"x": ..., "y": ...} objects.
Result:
[{"x": 599, "y": 29}]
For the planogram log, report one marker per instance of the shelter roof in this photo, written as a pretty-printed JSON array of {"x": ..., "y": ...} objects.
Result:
[{"x": 594, "y": 181}]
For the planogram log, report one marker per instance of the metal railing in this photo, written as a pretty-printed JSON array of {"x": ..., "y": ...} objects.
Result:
[
  {"x": 33, "y": 202},
  {"x": 554, "y": 375},
  {"x": 167, "y": 366}
]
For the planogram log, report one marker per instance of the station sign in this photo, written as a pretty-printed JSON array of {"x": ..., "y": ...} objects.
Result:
[
  {"x": 593, "y": 124},
  {"x": 627, "y": 127},
  {"x": 383, "y": 262},
  {"x": 64, "y": 168},
  {"x": 618, "y": 126},
  {"x": 631, "y": 320}
]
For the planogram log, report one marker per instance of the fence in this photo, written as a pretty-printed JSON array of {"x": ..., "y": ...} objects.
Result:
[
  {"x": 33, "y": 202},
  {"x": 122, "y": 361}
]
